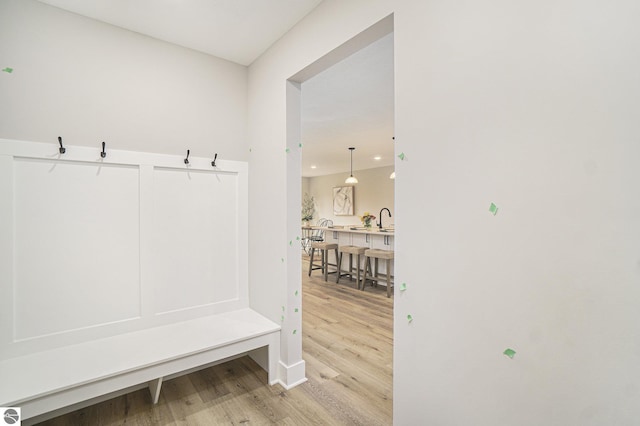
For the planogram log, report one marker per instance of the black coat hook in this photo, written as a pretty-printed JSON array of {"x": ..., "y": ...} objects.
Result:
[
  {"x": 103, "y": 153},
  {"x": 186, "y": 160},
  {"x": 213, "y": 163},
  {"x": 62, "y": 148}
]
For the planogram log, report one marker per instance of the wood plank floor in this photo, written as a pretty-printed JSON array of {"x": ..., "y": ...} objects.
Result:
[{"x": 347, "y": 346}]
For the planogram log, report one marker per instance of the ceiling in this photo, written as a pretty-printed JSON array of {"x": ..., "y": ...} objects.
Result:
[
  {"x": 347, "y": 105},
  {"x": 350, "y": 104},
  {"x": 236, "y": 30}
]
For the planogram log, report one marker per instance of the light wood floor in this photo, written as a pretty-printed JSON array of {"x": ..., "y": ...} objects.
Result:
[{"x": 348, "y": 346}]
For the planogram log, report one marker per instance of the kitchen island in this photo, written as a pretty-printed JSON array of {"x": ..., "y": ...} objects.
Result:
[{"x": 374, "y": 238}]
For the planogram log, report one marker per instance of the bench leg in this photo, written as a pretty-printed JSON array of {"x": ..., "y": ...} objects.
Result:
[
  {"x": 154, "y": 388},
  {"x": 274, "y": 358}
]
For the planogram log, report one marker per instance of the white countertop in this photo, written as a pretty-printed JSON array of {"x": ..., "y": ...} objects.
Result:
[{"x": 361, "y": 230}]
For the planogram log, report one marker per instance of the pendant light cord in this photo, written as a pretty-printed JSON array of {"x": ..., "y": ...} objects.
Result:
[
  {"x": 352, "y": 162},
  {"x": 351, "y": 149}
]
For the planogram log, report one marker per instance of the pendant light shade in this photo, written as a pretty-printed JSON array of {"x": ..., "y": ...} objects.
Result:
[{"x": 351, "y": 179}]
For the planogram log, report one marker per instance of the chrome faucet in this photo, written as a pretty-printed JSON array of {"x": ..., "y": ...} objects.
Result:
[{"x": 380, "y": 216}]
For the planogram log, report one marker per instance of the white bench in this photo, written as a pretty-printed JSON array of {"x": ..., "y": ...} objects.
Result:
[{"x": 48, "y": 381}]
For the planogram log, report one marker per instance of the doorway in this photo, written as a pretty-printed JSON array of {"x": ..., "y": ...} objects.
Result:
[{"x": 347, "y": 337}]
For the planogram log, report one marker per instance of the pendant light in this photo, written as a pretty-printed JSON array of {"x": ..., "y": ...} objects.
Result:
[{"x": 351, "y": 179}]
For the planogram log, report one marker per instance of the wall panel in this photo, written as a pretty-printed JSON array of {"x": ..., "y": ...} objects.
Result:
[
  {"x": 76, "y": 245},
  {"x": 195, "y": 241},
  {"x": 92, "y": 247}
]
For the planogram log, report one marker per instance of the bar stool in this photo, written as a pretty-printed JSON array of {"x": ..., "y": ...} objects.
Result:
[
  {"x": 350, "y": 250},
  {"x": 324, "y": 248},
  {"x": 372, "y": 275}
]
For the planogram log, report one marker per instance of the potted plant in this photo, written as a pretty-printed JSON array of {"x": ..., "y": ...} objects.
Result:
[
  {"x": 308, "y": 209},
  {"x": 366, "y": 219}
]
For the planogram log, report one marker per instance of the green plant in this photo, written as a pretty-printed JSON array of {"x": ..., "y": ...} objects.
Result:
[{"x": 308, "y": 208}]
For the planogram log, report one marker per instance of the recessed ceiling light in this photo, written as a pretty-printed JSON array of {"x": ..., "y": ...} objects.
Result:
[
  {"x": 377, "y": 157},
  {"x": 313, "y": 167}
]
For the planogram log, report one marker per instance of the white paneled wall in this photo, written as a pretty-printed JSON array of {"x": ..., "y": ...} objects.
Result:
[
  {"x": 194, "y": 238},
  {"x": 92, "y": 247},
  {"x": 76, "y": 245}
]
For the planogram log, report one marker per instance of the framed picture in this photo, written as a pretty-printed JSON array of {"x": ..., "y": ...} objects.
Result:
[{"x": 343, "y": 201}]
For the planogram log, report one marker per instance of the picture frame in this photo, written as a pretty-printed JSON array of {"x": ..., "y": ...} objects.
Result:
[{"x": 343, "y": 200}]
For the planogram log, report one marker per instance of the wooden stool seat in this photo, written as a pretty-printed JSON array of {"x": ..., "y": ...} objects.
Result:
[
  {"x": 350, "y": 250},
  {"x": 369, "y": 274},
  {"x": 324, "y": 248},
  {"x": 380, "y": 254}
]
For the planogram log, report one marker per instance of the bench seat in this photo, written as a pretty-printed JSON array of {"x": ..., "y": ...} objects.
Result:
[{"x": 46, "y": 381}]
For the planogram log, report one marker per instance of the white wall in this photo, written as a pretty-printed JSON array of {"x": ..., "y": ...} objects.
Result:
[
  {"x": 274, "y": 271},
  {"x": 91, "y": 82},
  {"x": 532, "y": 106},
  {"x": 305, "y": 185},
  {"x": 373, "y": 191}
]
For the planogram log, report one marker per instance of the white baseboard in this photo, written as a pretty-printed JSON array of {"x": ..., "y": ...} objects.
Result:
[{"x": 291, "y": 375}]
